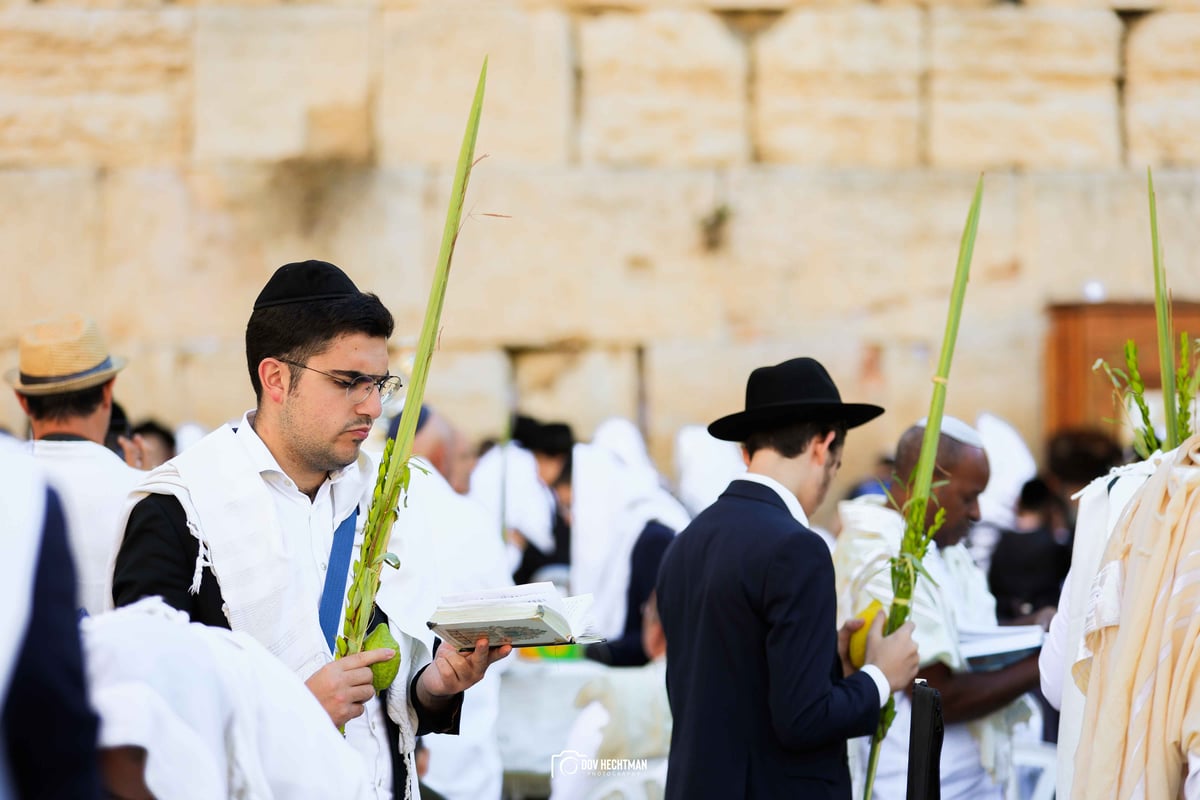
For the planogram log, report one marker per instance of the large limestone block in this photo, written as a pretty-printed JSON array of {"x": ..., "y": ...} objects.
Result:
[
  {"x": 840, "y": 86},
  {"x": 662, "y": 87},
  {"x": 584, "y": 254},
  {"x": 659, "y": 5},
  {"x": 1021, "y": 87},
  {"x": 1079, "y": 228},
  {"x": 12, "y": 418},
  {"x": 580, "y": 387},
  {"x": 471, "y": 389},
  {"x": 431, "y": 59},
  {"x": 282, "y": 83},
  {"x": 210, "y": 239},
  {"x": 695, "y": 382},
  {"x": 1162, "y": 92},
  {"x": 50, "y": 236},
  {"x": 202, "y": 380},
  {"x": 93, "y": 86},
  {"x": 859, "y": 247},
  {"x": 213, "y": 383}
]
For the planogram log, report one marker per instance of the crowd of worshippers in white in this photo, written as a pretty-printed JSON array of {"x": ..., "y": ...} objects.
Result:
[{"x": 165, "y": 632}]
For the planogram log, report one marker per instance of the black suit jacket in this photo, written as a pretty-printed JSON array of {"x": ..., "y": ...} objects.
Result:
[{"x": 747, "y": 600}]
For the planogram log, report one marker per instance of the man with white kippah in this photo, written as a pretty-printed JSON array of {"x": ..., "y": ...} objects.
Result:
[{"x": 979, "y": 708}]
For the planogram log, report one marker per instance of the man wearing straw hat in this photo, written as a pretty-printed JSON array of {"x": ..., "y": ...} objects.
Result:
[
  {"x": 254, "y": 527},
  {"x": 762, "y": 692},
  {"x": 64, "y": 382}
]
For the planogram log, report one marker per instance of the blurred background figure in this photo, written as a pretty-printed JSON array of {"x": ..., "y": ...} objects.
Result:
[
  {"x": 1031, "y": 560},
  {"x": 1012, "y": 466},
  {"x": 158, "y": 442},
  {"x": 505, "y": 482},
  {"x": 878, "y": 482},
  {"x": 664, "y": 517},
  {"x": 468, "y": 551},
  {"x": 1075, "y": 457},
  {"x": 618, "y": 521},
  {"x": 188, "y": 434},
  {"x": 705, "y": 465}
]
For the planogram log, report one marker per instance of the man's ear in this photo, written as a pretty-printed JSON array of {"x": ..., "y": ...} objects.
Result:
[
  {"x": 821, "y": 447},
  {"x": 106, "y": 394},
  {"x": 276, "y": 378},
  {"x": 24, "y": 403}
]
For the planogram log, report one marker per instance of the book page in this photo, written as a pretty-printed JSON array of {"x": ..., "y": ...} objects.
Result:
[
  {"x": 543, "y": 593},
  {"x": 1000, "y": 639},
  {"x": 579, "y": 616}
]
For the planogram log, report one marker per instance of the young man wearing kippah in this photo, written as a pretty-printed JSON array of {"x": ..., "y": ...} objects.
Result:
[{"x": 254, "y": 527}]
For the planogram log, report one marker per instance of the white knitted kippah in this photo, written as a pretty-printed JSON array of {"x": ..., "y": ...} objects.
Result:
[{"x": 957, "y": 430}]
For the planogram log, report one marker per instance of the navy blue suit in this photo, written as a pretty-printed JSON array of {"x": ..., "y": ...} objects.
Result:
[
  {"x": 746, "y": 597},
  {"x": 49, "y": 728}
]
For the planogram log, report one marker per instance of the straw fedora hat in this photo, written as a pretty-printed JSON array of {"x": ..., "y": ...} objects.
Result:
[
  {"x": 798, "y": 390},
  {"x": 62, "y": 355}
]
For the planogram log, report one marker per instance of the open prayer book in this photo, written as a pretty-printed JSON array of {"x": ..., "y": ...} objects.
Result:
[
  {"x": 530, "y": 615},
  {"x": 992, "y": 648}
]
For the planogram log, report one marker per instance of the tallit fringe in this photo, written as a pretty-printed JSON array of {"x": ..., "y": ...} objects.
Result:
[{"x": 202, "y": 558}]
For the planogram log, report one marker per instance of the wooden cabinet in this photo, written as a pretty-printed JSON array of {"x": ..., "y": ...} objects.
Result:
[{"x": 1080, "y": 333}]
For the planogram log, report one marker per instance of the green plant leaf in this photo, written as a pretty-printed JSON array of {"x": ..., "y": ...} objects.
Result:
[{"x": 393, "y": 477}]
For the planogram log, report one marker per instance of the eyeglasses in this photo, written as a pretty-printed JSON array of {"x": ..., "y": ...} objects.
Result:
[{"x": 358, "y": 389}]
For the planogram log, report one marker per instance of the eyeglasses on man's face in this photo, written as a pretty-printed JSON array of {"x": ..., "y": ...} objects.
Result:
[{"x": 358, "y": 387}]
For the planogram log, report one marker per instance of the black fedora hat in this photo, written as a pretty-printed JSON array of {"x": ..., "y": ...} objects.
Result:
[{"x": 797, "y": 390}]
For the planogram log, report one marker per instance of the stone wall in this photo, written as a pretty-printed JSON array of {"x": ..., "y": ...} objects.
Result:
[{"x": 683, "y": 189}]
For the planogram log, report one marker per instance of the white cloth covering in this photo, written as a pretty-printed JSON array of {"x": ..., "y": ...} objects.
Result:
[
  {"x": 976, "y": 756},
  {"x": 623, "y": 440},
  {"x": 469, "y": 554},
  {"x": 1011, "y": 466},
  {"x": 230, "y": 486},
  {"x": 1101, "y": 505},
  {"x": 218, "y": 716},
  {"x": 93, "y": 484},
  {"x": 609, "y": 509},
  {"x": 705, "y": 465},
  {"x": 505, "y": 482}
]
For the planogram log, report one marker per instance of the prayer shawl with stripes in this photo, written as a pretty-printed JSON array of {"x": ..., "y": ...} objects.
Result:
[{"x": 1139, "y": 659}]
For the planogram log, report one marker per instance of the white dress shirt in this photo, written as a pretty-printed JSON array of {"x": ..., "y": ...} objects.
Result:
[{"x": 309, "y": 525}]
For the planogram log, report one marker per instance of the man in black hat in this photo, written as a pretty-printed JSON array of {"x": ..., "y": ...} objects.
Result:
[
  {"x": 762, "y": 692},
  {"x": 253, "y": 528}
]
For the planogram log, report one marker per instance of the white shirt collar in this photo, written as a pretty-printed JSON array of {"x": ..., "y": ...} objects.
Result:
[
  {"x": 789, "y": 499},
  {"x": 264, "y": 462}
]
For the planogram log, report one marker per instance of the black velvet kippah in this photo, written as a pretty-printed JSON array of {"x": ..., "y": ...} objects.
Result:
[{"x": 305, "y": 282}]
